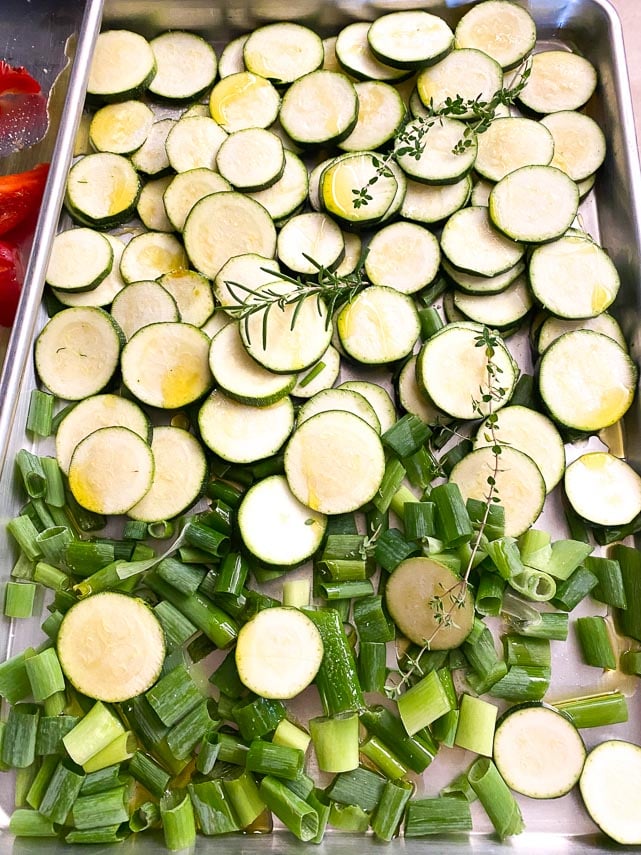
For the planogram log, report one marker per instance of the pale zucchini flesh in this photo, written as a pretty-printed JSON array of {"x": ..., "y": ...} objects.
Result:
[
  {"x": 321, "y": 375},
  {"x": 187, "y": 188},
  {"x": 244, "y": 100},
  {"x": 379, "y": 325},
  {"x": 414, "y": 400},
  {"x": 180, "y": 471},
  {"x": 509, "y": 144},
  {"x": 143, "y": 303},
  {"x": 278, "y": 653},
  {"x": 559, "y": 80},
  {"x": 465, "y": 72},
  {"x": 603, "y": 489},
  {"x": 354, "y": 171},
  {"x": 276, "y": 527},
  {"x": 122, "y": 65},
  {"x": 121, "y": 128},
  {"x": 104, "y": 293},
  {"x": 339, "y": 399},
  {"x": 80, "y": 260},
  {"x": 111, "y": 470},
  {"x": 151, "y": 208},
  {"x": 520, "y": 487},
  {"x": 500, "y": 310},
  {"x": 380, "y": 114},
  {"x": 102, "y": 189},
  {"x": 378, "y": 398},
  {"x": 471, "y": 283},
  {"x": 427, "y": 203},
  {"x": 579, "y": 143},
  {"x": 403, "y": 256},
  {"x": 283, "y": 52},
  {"x": 410, "y": 38},
  {"x": 438, "y": 163},
  {"x": 553, "y": 328},
  {"x": 241, "y": 274},
  {"x": 319, "y": 107},
  {"x": 334, "y": 462},
  {"x": 194, "y": 143},
  {"x": 251, "y": 159},
  {"x": 500, "y": 28},
  {"x": 111, "y": 647},
  {"x": 610, "y": 789},
  {"x": 193, "y": 295},
  {"x": 289, "y": 193},
  {"x": 186, "y": 66},
  {"x": 309, "y": 241},
  {"x": 150, "y": 255},
  {"x": 471, "y": 242},
  {"x": 355, "y": 56}
]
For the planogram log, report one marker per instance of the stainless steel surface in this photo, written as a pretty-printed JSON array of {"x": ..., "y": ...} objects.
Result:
[{"x": 591, "y": 27}]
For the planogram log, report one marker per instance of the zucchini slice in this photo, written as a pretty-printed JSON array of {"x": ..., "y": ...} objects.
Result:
[
  {"x": 104, "y": 293},
  {"x": 96, "y": 412},
  {"x": 553, "y": 328},
  {"x": 410, "y": 39},
  {"x": 533, "y": 434},
  {"x": 471, "y": 283},
  {"x": 559, "y": 80},
  {"x": 500, "y": 310},
  {"x": 308, "y": 238},
  {"x": 603, "y": 489},
  {"x": 378, "y": 398},
  {"x": 150, "y": 255},
  {"x": 180, "y": 471},
  {"x": 251, "y": 159},
  {"x": 499, "y": 28},
  {"x": 410, "y": 595},
  {"x": 609, "y": 789},
  {"x": 151, "y": 158},
  {"x": 102, "y": 190},
  {"x": 166, "y": 365},
  {"x": 509, "y": 144},
  {"x": 452, "y": 369},
  {"x": 520, "y": 487},
  {"x": 122, "y": 66},
  {"x": 80, "y": 259},
  {"x": 143, "y": 303},
  {"x": 586, "y": 380},
  {"x": 187, "y": 188},
  {"x": 192, "y": 293},
  {"x": 349, "y": 172},
  {"x": 346, "y": 400},
  {"x": 464, "y": 73},
  {"x": 288, "y": 194},
  {"x": 241, "y": 433},
  {"x": 121, "y": 128},
  {"x": 355, "y": 56},
  {"x": 151, "y": 208},
  {"x": 111, "y": 647},
  {"x": 579, "y": 143},
  {"x": 278, "y": 653},
  {"x": 379, "y": 325},
  {"x": 276, "y": 527},
  {"x": 194, "y": 142},
  {"x": 334, "y": 462},
  {"x": 231, "y": 60},
  {"x": 273, "y": 339},
  {"x": 403, "y": 256},
  {"x": 210, "y": 242},
  {"x": 283, "y": 52},
  {"x": 111, "y": 470},
  {"x": 573, "y": 278},
  {"x": 381, "y": 113},
  {"x": 244, "y": 100},
  {"x": 414, "y": 400},
  {"x": 437, "y": 163},
  {"x": 321, "y": 375},
  {"x": 77, "y": 352},
  {"x": 534, "y": 203},
  {"x": 538, "y": 751},
  {"x": 471, "y": 243},
  {"x": 242, "y": 274},
  {"x": 186, "y": 66},
  {"x": 321, "y": 107},
  {"x": 240, "y": 376},
  {"x": 427, "y": 203}
]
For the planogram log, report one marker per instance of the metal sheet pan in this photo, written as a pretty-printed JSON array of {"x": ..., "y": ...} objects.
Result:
[{"x": 611, "y": 212}]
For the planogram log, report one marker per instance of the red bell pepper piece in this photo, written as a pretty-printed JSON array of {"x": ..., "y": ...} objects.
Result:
[
  {"x": 16, "y": 80},
  {"x": 11, "y": 276},
  {"x": 20, "y": 196}
]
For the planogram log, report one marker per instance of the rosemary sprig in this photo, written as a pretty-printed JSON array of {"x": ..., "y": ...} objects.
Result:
[
  {"x": 329, "y": 289},
  {"x": 444, "y": 612},
  {"x": 410, "y": 139}
]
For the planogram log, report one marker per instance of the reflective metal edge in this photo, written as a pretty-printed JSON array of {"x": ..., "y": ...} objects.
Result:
[{"x": 623, "y": 178}]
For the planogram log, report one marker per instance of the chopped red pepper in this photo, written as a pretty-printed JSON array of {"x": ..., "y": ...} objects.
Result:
[
  {"x": 11, "y": 276},
  {"x": 16, "y": 80},
  {"x": 20, "y": 195}
]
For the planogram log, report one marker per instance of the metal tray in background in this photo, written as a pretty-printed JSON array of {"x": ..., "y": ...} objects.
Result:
[{"x": 590, "y": 27}]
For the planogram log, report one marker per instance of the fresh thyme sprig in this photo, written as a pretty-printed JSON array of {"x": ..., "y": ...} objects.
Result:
[
  {"x": 443, "y": 611},
  {"x": 328, "y": 287},
  {"x": 410, "y": 139}
]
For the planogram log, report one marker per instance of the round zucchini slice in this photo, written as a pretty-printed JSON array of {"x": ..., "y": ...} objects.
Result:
[
  {"x": 150, "y": 255},
  {"x": 410, "y": 39},
  {"x": 185, "y": 66},
  {"x": 379, "y": 325},
  {"x": 603, "y": 489},
  {"x": 499, "y": 28},
  {"x": 122, "y": 66},
  {"x": 102, "y": 190},
  {"x": 111, "y": 647},
  {"x": 121, "y": 128},
  {"x": 143, "y": 303},
  {"x": 538, "y": 751},
  {"x": 276, "y": 527},
  {"x": 415, "y": 593},
  {"x": 80, "y": 260},
  {"x": 244, "y": 100},
  {"x": 403, "y": 256},
  {"x": 471, "y": 243},
  {"x": 339, "y": 399},
  {"x": 282, "y": 52},
  {"x": 464, "y": 73},
  {"x": 559, "y": 80},
  {"x": 610, "y": 789},
  {"x": 320, "y": 107},
  {"x": 278, "y": 653},
  {"x": 111, "y": 470}
]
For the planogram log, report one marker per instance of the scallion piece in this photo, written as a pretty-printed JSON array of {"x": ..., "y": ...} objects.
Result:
[
  {"x": 280, "y": 761},
  {"x": 53, "y": 543},
  {"x": 186, "y": 578},
  {"x": 483, "y": 659},
  {"x": 212, "y": 808},
  {"x": 431, "y": 322},
  {"x": 523, "y": 683},
  {"x": 343, "y": 569},
  {"x": 520, "y": 650},
  {"x": 460, "y": 786},
  {"x": 290, "y": 735},
  {"x": 630, "y": 662},
  {"x": 412, "y": 751},
  {"x": 350, "y": 818},
  {"x": 258, "y": 716},
  {"x": 174, "y": 695},
  {"x": 95, "y": 731},
  {"x": 297, "y": 593},
  {"x": 244, "y": 796},
  {"x": 495, "y": 796},
  {"x": 371, "y": 620},
  {"x": 161, "y": 530},
  {"x": 50, "y": 576},
  {"x": 444, "y": 728},
  {"x": 595, "y": 643},
  {"x": 407, "y": 435},
  {"x": 420, "y": 520},
  {"x": 40, "y": 413},
  {"x": 176, "y": 627},
  {"x": 295, "y": 813},
  {"x": 492, "y": 517},
  {"x": 475, "y": 731},
  {"x": 19, "y": 742},
  {"x": 19, "y": 598},
  {"x": 14, "y": 682},
  {"x": 213, "y": 542},
  {"x": 100, "y": 809},
  {"x": 552, "y": 625},
  {"x": 207, "y": 617},
  {"x": 30, "y": 823},
  {"x": 391, "y": 808},
  {"x": 421, "y": 467},
  {"x": 25, "y": 534},
  {"x": 357, "y": 787},
  {"x": 178, "y": 821},
  {"x": 41, "y": 781},
  {"x": 55, "y": 488},
  {"x": 231, "y": 749},
  {"x": 596, "y": 710},
  {"x": 32, "y": 473},
  {"x": 228, "y": 493},
  {"x": 335, "y": 741},
  {"x": 609, "y": 588},
  {"x": 566, "y": 557},
  {"x": 575, "y": 588},
  {"x": 535, "y": 546},
  {"x": 533, "y": 584},
  {"x": 383, "y": 758},
  {"x": 118, "y": 750},
  {"x": 51, "y": 729},
  {"x": 183, "y": 737},
  {"x": 84, "y": 557},
  {"x": 337, "y": 678},
  {"x": 489, "y": 594},
  {"x": 101, "y": 780},
  {"x": 45, "y": 674},
  {"x": 346, "y": 590},
  {"x": 64, "y": 787},
  {"x": 392, "y": 548},
  {"x": 440, "y": 815},
  {"x": 226, "y": 678},
  {"x": 453, "y": 524},
  {"x": 372, "y": 668},
  {"x": 103, "y": 834},
  {"x": 455, "y": 454},
  {"x": 629, "y": 619},
  {"x": 25, "y": 777},
  {"x": 147, "y": 815}
]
